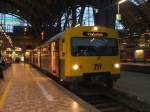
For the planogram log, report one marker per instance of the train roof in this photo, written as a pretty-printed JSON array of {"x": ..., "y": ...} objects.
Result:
[{"x": 57, "y": 36}]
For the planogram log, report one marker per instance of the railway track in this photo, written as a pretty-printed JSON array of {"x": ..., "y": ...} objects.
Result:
[{"x": 111, "y": 100}]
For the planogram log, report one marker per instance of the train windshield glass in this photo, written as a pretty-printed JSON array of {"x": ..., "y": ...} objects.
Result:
[{"x": 94, "y": 46}]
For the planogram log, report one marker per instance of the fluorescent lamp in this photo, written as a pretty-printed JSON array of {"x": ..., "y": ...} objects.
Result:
[{"x": 121, "y": 1}]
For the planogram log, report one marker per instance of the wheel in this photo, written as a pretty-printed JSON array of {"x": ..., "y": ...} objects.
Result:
[
  {"x": 108, "y": 83},
  {"x": 73, "y": 86}
]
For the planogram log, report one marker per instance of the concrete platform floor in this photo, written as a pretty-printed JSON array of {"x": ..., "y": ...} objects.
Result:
[
  {"x": 137, "y": 63},
  {"x": 137, "y": 84},
  {"x": 27, "y": 90}
]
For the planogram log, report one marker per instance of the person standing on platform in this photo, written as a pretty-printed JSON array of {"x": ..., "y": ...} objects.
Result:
[{"x": 2, "y": 64}]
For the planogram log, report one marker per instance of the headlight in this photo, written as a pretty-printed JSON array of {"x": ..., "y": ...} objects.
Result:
[
  {"x": 117, "y": 65},
  {"x": 75, "y": 67},
  {"x": 95, "y": 28}
]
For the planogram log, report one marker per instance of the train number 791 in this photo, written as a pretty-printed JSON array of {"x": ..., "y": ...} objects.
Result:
[{"x": 97, "y": 66}]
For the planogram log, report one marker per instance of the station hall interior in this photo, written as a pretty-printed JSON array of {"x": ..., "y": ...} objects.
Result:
[{"x": 75, "y": 56}]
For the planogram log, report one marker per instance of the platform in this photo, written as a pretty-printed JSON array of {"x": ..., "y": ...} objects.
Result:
[
  {"x": 135, "y": 84},
  {"x": 136, "y": 63},
  {"x": 27, "y": 90},
  {"x": 136, "y": 67}
]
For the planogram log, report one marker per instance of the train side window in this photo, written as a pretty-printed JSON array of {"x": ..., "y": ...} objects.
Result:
[{"x": 63, "y": 40}]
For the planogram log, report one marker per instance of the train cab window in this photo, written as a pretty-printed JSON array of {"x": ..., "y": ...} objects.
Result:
[{"x": 88, "y": 46}]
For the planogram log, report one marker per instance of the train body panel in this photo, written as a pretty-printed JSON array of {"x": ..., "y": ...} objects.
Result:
[
  {"x": 90, "y": 64},
  {"x": 135, "y": 55}
]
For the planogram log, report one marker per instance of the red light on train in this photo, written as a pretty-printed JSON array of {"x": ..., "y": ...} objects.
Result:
[{"x": 42, "y": 35}]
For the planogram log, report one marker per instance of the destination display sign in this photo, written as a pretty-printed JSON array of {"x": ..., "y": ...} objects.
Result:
[{"x": 95, "y": 34}]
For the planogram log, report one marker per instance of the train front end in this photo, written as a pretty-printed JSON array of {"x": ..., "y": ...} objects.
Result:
[{"x": 92, "y": 55}]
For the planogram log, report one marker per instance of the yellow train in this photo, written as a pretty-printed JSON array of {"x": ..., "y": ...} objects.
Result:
[{"x": 86, "y": 53}]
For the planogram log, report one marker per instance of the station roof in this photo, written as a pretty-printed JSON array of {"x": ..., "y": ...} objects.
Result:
[
  {"x": 36, "y": 12},
  {"x": 136, "y": 14},
  {"x": 42, "y": 12}
]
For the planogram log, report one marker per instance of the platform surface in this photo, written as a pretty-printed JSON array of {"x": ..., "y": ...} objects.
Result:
[
  {"x": 136, "y": 84},
  {"x": 136, "y": 67},
  {"x": 136, "y": 64},
  {"x": 27, "y": 90}
]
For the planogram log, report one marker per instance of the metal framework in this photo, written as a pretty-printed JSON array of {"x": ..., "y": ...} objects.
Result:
[{"x": 46, "y": 15}]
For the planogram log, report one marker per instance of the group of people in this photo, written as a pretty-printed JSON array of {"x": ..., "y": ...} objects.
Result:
[{"x": 2, "y": 65}]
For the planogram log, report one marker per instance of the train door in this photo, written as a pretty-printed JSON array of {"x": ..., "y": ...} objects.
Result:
[
  {"x": 35, "y": 59},
  {"x": 62, "y": 58},
  {"x": 39, "y": 58},
  {"x": 130, "y": 53},
  {"x": 147, "y": 55},
  {"x": 139, "y": 55},
  {"x": 45, "y": 58},
  {"x": 55, "y": 58},
  {"x": 32, "y": 57}
]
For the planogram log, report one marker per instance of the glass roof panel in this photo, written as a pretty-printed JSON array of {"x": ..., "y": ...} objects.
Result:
[{"x": 138, "y": 2}]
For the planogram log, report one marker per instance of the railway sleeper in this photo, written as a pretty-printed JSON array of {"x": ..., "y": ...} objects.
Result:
[
  {"x": 105, "y": 105},
  {"x": 114, "y": 109}
]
